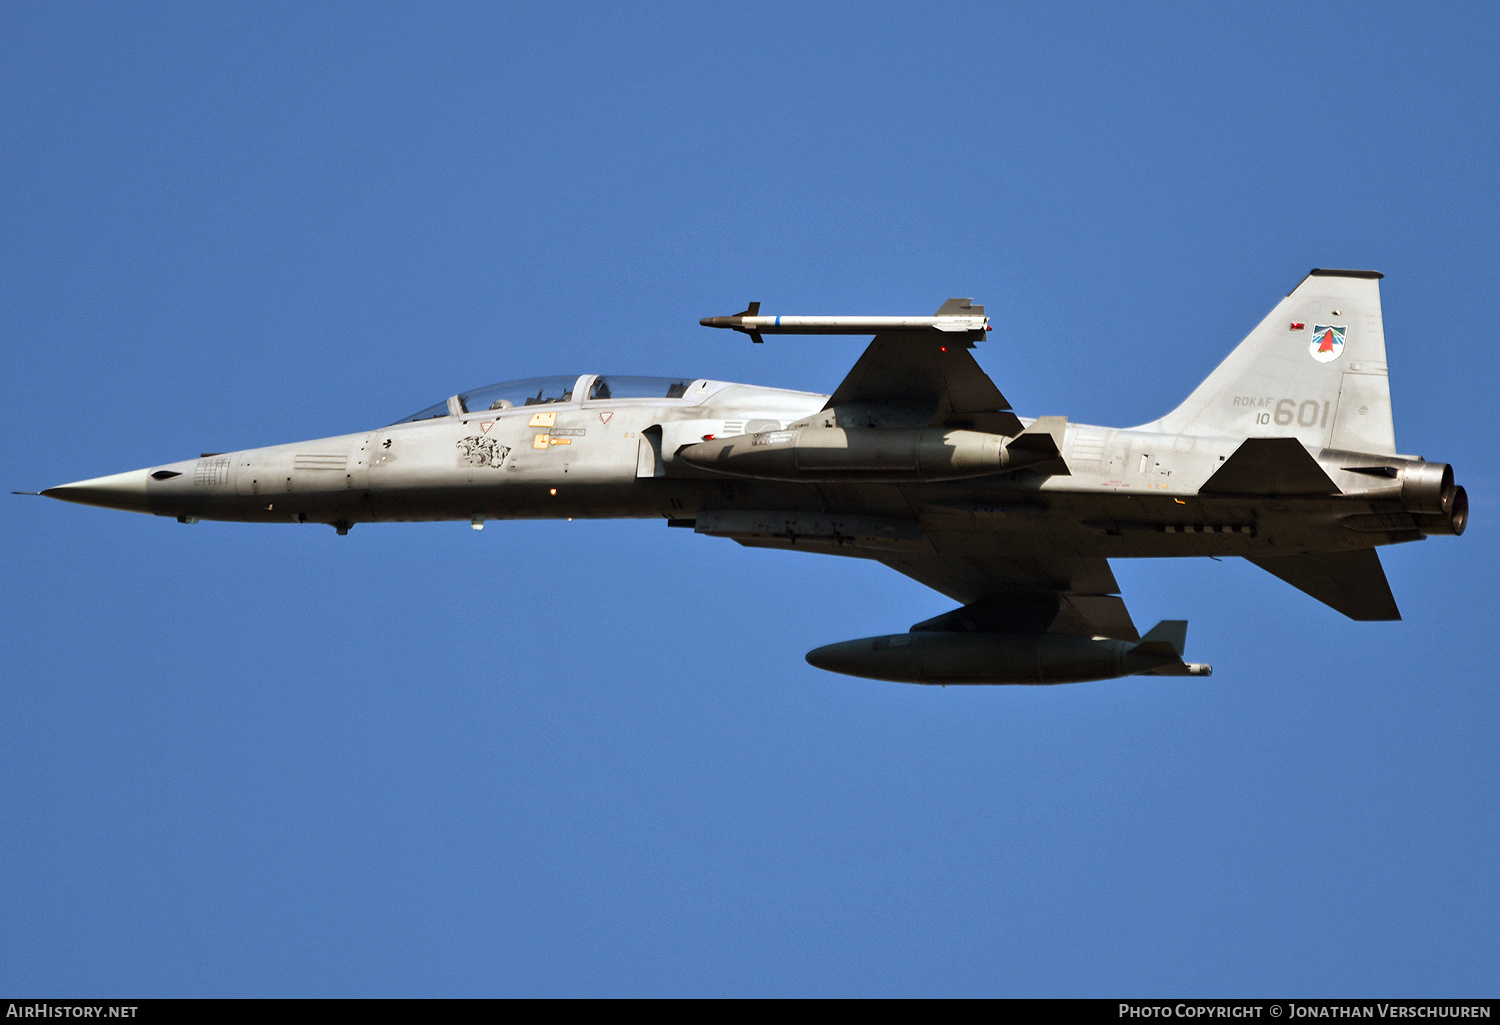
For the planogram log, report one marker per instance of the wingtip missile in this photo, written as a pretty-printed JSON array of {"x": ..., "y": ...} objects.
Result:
[{"x": 966, "y": 320}]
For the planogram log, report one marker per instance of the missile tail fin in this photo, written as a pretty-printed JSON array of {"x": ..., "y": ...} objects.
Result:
[{"x": 960, "y": 308}]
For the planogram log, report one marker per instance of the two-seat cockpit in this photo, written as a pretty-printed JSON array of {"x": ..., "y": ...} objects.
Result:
[{"x": 540, "y": 391}]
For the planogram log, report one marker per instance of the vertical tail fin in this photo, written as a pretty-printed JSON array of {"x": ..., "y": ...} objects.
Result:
[{"x": 1314, "y": 370}]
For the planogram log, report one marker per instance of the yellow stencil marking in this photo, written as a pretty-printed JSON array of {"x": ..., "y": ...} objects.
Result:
[
  {"x": 540, "y": 441},
  {"x": 544, "y": 420}
]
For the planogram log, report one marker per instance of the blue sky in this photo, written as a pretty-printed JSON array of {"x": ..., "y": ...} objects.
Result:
[{"x": 587, "y": 758}]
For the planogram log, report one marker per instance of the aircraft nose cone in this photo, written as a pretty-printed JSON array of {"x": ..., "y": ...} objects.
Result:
[{"x": 117, "y": 491}]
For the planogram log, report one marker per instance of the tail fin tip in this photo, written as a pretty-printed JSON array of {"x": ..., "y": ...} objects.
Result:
[{"x": 1324, "y": 272}]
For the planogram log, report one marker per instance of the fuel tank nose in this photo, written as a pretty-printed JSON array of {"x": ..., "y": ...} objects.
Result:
[
  {"x": 116, "y": 491},
  {"x": 896, "y": 658}
]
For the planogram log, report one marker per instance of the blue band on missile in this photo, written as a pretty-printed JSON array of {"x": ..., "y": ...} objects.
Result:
[{"x": 778, "y": 321}]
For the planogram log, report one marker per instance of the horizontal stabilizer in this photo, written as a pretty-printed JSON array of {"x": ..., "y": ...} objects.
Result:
[
  {"x": 1351, "y": 582},
  {"x": 1270, "y": 466}
]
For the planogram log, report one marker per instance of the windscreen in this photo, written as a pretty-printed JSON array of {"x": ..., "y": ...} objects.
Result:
[{"x": 430, "y": 413}]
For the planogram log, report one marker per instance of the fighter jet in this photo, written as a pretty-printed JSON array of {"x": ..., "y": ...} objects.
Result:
[{"x": 1285, "y": 455}]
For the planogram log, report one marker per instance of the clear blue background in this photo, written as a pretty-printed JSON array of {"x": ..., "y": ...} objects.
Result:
[{"x": 587, "y": 758}]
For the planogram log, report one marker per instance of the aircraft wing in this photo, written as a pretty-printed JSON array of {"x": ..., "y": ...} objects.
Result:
[
  {"x": 924, "y": 366},
  {"x": 1032, "y": 594},
  {"x": 1056, "y": 595}
]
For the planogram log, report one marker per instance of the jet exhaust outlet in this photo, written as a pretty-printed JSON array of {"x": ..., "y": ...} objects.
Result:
[
  {"x": 1452, "y": 523},
  {"x": 1428, "y": 488}
]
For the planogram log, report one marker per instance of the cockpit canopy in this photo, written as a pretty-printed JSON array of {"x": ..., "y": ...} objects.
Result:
[{"x": 539, "y": 391}]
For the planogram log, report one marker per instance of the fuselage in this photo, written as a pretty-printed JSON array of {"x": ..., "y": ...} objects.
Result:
[{"x": 588, "y": 451}]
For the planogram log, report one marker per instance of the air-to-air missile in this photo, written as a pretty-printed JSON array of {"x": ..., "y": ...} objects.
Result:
[
  {"x": 957, "y": 320},
  {"x": 1285, "y": 455}
]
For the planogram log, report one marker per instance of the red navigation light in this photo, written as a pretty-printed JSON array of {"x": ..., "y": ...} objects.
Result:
[{"x": 708, "y": 437}]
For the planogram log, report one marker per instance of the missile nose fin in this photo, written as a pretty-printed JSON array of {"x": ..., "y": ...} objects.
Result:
[{"x": 735, "y": 321}]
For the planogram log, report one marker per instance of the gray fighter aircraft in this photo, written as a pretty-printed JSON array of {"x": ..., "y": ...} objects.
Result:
[{"x": 1285, "y": 455}]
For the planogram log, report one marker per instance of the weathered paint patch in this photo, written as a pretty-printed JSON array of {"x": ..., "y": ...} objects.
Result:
[{"x": 477, "y": 451}]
